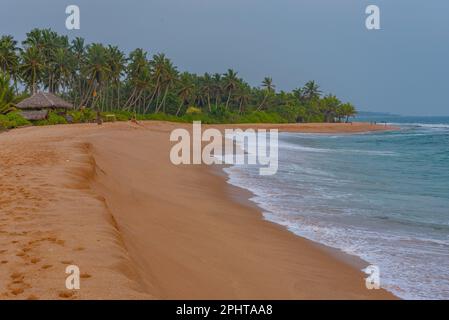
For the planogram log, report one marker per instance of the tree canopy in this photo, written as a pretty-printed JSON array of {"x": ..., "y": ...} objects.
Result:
[{"x": 104, "y": 78}]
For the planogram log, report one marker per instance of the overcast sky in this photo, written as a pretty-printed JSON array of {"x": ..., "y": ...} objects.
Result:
[{"x": 402, "y": 68}]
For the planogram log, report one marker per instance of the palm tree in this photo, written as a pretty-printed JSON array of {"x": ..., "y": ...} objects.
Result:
[
  {"x": 9, "y": 60},
  {"x": 186, "y": 90},
  {"x": 47, "y": 42},
  {"x": 168, "y": 79},
  {"x": 298, "y": 94},
  {"x": 96, "y": 69},
  {"x": 116, "y": 61},
  {"x": 269, "y": 87},
  {"x": 329, "y": 106},
  {"x": 78, "y": 51},
  {"x": 31, "y": 67},
  {"x": 102, "y": 76},
  {"x": 217, "y": 87},
  {"x": 7, "y": 97},
  {"x": 311, "y": 90},
  {"x": 243, "y": 97},
  {"x": 138, "y": 76},
  {"x": 230, "y": 81},
  {"x": 207, "y": 88},
  {"x": 62, "y": 68},
  {"x": 346, "y": 110}
]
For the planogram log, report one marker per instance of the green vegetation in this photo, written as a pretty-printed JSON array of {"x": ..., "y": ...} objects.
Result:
[
  {"x": 12, "y": 120},
  {"x": 103, "y": 78},
  {"x": 7, "y": 96}
]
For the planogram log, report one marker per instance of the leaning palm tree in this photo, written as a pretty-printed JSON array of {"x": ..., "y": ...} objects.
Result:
[
  {"x": 186, "y": 90},
  {"x": 243, "y": 96},
  {"x": 230, "y": 83},
  {"x": 169, "y": 78},
  {"x": 269, "y": 88},
  {"x": 138, "y": 76}
]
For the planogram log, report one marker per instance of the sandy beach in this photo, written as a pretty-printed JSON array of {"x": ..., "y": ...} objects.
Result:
[{"x": 108, "y": 200}]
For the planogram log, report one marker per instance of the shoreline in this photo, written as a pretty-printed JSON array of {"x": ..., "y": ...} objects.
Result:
[
  {"x": 245, "y": 196},
  {"x": 186, "y": 239}
]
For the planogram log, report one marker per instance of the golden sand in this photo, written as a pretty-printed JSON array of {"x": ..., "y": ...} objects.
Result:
[{"x": 108, "y": 200}]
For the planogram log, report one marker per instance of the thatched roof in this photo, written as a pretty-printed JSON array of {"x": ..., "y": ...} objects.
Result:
[{"x": 44, "y": 100}]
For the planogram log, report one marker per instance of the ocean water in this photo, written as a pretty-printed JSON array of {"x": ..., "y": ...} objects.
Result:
[{"x": 381, "y": 196}]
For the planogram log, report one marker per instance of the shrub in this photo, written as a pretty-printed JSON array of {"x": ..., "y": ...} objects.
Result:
[
  {"x": 82, "y": 116},
  {"x": 52, "y": 119},
  {"x": 193, "y": 110},
  {"x": 13, "y": 120}
]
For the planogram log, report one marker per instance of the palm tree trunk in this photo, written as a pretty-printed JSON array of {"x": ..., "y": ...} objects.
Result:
[
  {"x": 263, "y": 102},
  {"x": 179, "y": 108},
  {"x": 129, "y": 99},
  {"x": 163, "y": 100},
  {"x": 229, "y": 98},
  {"x": 208, "y": 102}
]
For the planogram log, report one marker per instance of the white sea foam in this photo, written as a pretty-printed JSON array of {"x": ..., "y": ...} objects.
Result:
[{"x": 423, "y": 125}]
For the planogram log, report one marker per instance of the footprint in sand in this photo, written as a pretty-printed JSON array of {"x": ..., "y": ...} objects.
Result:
[
  {"x": 35, "y": 260},
  {"x": 66, "y": 294},
  {"x": 17, "y": 275},
  {"x": 17, "y": 291}
]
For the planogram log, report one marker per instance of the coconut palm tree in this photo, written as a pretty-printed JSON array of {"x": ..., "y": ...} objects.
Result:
[
  {"x": 138, "y": 76},
  {"x": 311, "y": 90},
  {"x": 243, "y": 96},
  {"x": 96, "y": 69},
  {"x": 31, "y": 67},
  {"x": 9, "y": 59},
  {"x": 168, "y": 80},
  {"x": 185, "y": 91},
  {"x": 77, "y": 82},
  {"x": 62, "y": 69},
  {"x": 116, "y": 61},
  {"x": 217, "y": 87},
  {"x": 207, "y": 87},
  {"x": 329, "y": 106},
  {"x": 230, "y": 81},
  {"x": 346, "y": 111},
  {"x": 7, "y": 97},
  {"x": 269, "y": 88}
]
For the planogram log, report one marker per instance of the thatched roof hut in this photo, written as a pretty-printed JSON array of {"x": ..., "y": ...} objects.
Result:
[{"x": 37, "y": 106}]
